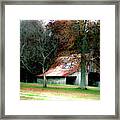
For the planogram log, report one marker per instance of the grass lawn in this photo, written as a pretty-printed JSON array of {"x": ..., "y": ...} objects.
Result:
[{"x": 35, "y": 91}]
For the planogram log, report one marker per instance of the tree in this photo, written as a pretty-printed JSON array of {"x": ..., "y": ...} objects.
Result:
[
  {"x": 37, "y": 47},
  {"x": 47, "y": 48},
  {"x": 89, "y": 38},
  {"x": 83, "y": 50},
  {"x": 80, "y": 36},
  {"x": 30, "y": 33}
]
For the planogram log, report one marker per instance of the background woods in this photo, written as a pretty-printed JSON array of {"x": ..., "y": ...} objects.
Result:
[{"x": 37, "y": 48}]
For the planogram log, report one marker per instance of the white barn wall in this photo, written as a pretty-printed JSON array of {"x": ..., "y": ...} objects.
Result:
[
  {"x": 62, "y": 80},
  {"x": 53, "y": 80}
]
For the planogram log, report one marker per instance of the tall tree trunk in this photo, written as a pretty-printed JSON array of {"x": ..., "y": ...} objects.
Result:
[
  {"x": 91, "y": 67},
  {"x": 44, "y": 79},
  {"x": 83, "y": 72}
]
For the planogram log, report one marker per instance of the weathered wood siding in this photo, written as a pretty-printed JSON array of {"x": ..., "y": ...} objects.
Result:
[
  {"x": 62, "y": 80},
  {"x": 53, "y": 80}
]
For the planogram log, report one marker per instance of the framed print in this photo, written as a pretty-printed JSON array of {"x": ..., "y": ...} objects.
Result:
[{"x": 60, "y": 60}]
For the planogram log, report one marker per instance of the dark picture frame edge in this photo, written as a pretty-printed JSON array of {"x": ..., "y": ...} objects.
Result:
[
  {"x": 61, "y": 2},
  {"x": 2, "y": 65}
]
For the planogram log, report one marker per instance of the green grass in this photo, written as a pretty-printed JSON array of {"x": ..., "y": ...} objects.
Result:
[{"x": 32, "y": 91}]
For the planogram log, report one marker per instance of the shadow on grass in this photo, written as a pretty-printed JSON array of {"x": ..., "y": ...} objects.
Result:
[{"x": 62, "y": 88}]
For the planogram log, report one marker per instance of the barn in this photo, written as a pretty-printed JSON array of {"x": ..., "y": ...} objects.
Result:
[
  {"x": 66, "y": 70},
  {"x": 61, "y": 75}
]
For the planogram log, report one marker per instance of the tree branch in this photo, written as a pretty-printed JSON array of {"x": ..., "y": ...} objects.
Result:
[
  {"x": 50, "y": 52},
  {"x": 26, "y": 66},
  {"x": 21, "y": 52}
]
